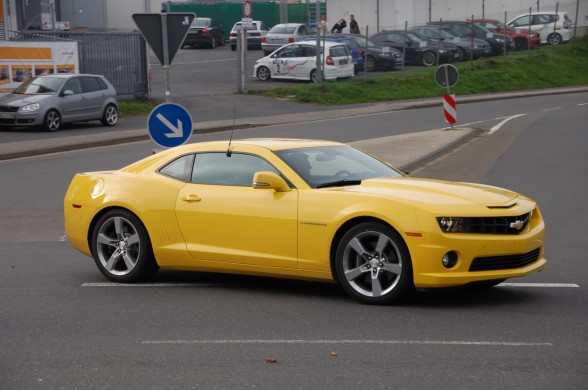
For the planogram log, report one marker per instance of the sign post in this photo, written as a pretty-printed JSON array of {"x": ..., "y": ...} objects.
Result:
[
  {"x": 246, "y": 23},
  {"x": 447, "y": 76},
  {"x": 164, "y": 33}
]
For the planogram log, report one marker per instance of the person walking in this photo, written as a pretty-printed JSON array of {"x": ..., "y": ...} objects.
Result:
[{"x": 353, "y": 27}]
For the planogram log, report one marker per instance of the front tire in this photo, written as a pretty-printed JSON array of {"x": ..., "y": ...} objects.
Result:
[
  {"x": 520, "y": 44},
  {"x": 121, "y": 248},
  {"x": 110, "y": 115},
  {"x": 263, "y": 73},
  {"x": 370, "y": 64},
  {"x": 52, "y": 120},
  {"x": 373, "y": 264}
]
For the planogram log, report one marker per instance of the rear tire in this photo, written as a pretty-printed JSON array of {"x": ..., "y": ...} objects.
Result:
[
  {"x": 554, "y": 39},
  {"x": 110, "y": 115},
  {"x": 429, "y": 58},
  {"x": 370, "y": 64},
  {"x": 313, "y": 76},
  {"x": 121, "y": 248}
]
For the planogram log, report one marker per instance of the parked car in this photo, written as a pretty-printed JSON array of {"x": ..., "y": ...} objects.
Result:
[
  {"x": 254, "y": 35},
  {"x": 464, "y": 45},
  {"x": 205, "y": 32},
  {"x": 552, "y": 28},
  {"x": 52, "y": 100},
  {"x": 417, "y": 49},
  {"x": 297, "y": 61},
  {"x": 376, "y": 57},
  {"x": 523, "y": 39},
  {"x": 468, "y": 29},
  {"x": 354, "y": 49},
  {"x": 292, "y": 208},
  {"x": 282, "y": 34}
]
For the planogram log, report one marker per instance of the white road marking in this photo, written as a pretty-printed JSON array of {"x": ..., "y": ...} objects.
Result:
[
  {"x": 63, "y": 238},
  {"x": 110, "y": 284},
  {"x": 357, "y": 342},
  {"x": 498, "y": 126},
  {"x": 551, "y": 109},
  {"x": 560, "y": 285},
  {"x": 582, "y": 104}
]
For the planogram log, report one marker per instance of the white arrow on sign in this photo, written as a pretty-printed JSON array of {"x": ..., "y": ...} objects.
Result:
[{"x": 176, "y": 131}]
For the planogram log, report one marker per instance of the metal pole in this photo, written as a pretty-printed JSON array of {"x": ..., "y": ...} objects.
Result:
[
  {"x": 243, "y": 60},
  {"x": 447, "y": 84},
  {"x": 439, "y": 41},
  {"x": 472, "y": 43},
  {"x": 505, "y": 37},
  {"x": 318, "y": 70},
  {"x": 404, "y": 46},
  {"x": 483, "y": 9},
  {"x": 378, "y": 17},
  {"x": 367, "y": 29},
  {"x": 429, "y": 10},
  {"x": 529, "y": 33},
  {"x": 575, "y": 24},
  {"x": 537, "y": 5},
  {"x": 555, "y": 23},
  {"x": 165, "y": 57},
  {"x": 239, "y": 59}
]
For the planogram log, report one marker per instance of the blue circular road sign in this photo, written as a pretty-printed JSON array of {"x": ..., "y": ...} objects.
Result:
[{"x": 169, "y": 125}]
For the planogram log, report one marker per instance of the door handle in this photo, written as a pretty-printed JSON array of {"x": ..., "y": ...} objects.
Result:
[{"x": 191, "y": 198}]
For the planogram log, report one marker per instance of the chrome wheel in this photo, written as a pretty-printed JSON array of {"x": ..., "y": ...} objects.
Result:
[
  {"x": 52, "y": 121},
  {"x": 263, "y": 73},
  {"x": 429, "y": 58},
  {"x": 121, "y": 248},
  {"x": 110, "y": 115},
  {"x": 373, "y": 264}
]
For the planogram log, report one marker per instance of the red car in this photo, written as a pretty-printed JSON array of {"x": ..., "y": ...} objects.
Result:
[{"x": 521, "y": 37}]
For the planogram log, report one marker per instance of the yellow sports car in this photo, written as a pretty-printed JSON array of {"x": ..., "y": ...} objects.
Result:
[{"x": 300, "y": 209}]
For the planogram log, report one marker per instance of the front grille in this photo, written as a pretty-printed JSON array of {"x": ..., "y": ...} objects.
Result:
[
  {"x": 6, "y": 121},
  {"x": 493, "y": 225},
  {"x": 8, "y": 109},
  {"x": 491, "y": 263}
]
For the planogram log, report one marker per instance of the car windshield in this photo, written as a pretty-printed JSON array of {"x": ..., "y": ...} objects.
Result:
[
  {"x": 362, "y": 40},
  {"x": 335, "y": 165},
  {"x": 479, "y": 29},
  {"x": 40, "y": 85},
  {"x": 415, "y": 37},
  {"x": 282, "y": 30},
  {"x": 201, "y": 23},
  {"x": 450, "y": 33}
]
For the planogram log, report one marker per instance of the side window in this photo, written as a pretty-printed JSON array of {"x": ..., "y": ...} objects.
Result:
[
  {"x": 521, "y": 22},
  {"x": 302, "y": 30},
  {"x": 288, "y": 52},
  {"x": 180, "y": 168},
  {"x": 237, "y": 170},
  {"x": 73, "y": 85},
  {"x": 378, "y": 38},
  {"x": 90, "y": 84},
  {"x": 103, "y": 85}
]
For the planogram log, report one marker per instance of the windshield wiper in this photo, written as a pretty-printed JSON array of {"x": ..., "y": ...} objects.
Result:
[{"x": 340, "y": 183}]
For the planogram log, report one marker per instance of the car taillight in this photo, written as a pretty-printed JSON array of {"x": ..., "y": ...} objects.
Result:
[
  {"x": 291, "y": 40},
  {"x": 264, "y": 40},
  {"x": 205, "y": 31},
  {"x": 233, "y": 34},
  {"x": 566, "y": 24},
  {"x": 329, "y": 61}
]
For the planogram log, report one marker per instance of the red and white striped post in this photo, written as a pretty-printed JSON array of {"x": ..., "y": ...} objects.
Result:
[{"x": 449, "y": 108}]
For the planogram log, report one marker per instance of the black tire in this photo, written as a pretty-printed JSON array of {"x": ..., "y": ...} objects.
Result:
[
  {"x": 263, "y": 73},
  {"x": 233, "y": 47},
  {"x": 554, "y": 39},
  {"x": 370, "y": 63},
  {"x": 373, "y": 264},
  {"x": 52, "y": 121},
  {"x": 520, "y": 44},
  {"x": 463, "y": 55},
  {"x": 429, "y": 58},
  {"x": 313, "y": 78},
  {"x": 109, "y": 116},
  {"x": 121, "y": 248},
  {"x": 222, "y": 41},
  {"x": 212, "y": 42}
]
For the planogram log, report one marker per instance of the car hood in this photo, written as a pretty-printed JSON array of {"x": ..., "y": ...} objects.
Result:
[
  {"x": 437, "y": 192},
  {"x": 19, "y": 100}
]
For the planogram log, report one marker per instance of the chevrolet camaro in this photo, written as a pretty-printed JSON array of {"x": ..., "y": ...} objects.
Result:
[{"x": 305, "y": 209}]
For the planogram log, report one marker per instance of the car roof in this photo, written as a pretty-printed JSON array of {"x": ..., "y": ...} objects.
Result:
[
  {"x": 68, "y": 75},
  {"x": 273, "y": 144},
  {"x": 289, "y": 24}
]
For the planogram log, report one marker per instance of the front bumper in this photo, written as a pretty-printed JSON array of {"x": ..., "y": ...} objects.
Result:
[{"x": 21, "y": 119}]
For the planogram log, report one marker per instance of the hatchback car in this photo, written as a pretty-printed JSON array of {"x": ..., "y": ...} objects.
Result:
[
  {"x": 416, "y": 47},
  {"x": 375, "y": 57},
  {"x": 498, "y": 42},
  {"x": 552, "y": 28},
  {"x": 523, "y": 38},
  {"x": 52, "y": 100},
  {"x": 297, "y": 61},
  {"x": 205, "y": 32},
  {"x": 282, "y": 34},
  {"x": 254, "y": 35}
]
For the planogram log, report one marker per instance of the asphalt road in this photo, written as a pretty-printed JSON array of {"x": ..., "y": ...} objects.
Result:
[{"x": 62, "y": 327}]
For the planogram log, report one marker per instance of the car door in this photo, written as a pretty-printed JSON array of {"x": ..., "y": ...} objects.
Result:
[
  {"x": 224, "y": 219},
  {"x": 94, "y": 94},
  {"x": 289, "y": 62},
  {"x": 73, "y": 102}
]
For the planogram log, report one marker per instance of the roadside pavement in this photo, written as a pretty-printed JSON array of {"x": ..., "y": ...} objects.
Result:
[{"x": 404, "y": 151}]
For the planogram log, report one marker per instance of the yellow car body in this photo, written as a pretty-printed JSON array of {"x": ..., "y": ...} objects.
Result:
[{"x": 280, "y": 225}]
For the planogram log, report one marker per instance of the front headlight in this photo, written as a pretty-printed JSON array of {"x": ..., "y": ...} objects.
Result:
[
  {"x": 499, "y": 40},
  {"x": 452, "y": 224},
  {"x": 30, "y": 107}
]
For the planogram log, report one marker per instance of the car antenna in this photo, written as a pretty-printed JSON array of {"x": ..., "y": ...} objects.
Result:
[{"x": 231, "y": 137}]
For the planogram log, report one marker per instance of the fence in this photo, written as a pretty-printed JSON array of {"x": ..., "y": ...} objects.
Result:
[{"x": 120, "y": 57}]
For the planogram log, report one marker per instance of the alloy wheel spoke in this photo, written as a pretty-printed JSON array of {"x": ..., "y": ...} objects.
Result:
[
  {"x": 357, "y": 246},
  {"x": 128, "y": 261},
  {"x": 118, "y": 226},
  {"x": 393, "y": 268},
  {"x": 353, "y": 274},
  {"x": 103, "y": 239},
  {"x": 132, "y": 240},
  {"x": 112, "y": 261},
  {"x": 376, "y": 286},
  {"x": 381, "y": 245}
]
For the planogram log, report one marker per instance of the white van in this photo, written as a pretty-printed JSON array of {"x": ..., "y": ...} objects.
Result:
[{"x": 552, "y": 28}]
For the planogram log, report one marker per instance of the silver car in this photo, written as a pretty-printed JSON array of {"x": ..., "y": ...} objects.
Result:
[
  {"x": 282, "y": 34},
  {"x": 52, "y": 100}
]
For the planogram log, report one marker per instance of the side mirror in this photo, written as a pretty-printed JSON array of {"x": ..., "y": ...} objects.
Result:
[
  {"x": 68, "y": 92},
  {"x": 266, "y": 180}
]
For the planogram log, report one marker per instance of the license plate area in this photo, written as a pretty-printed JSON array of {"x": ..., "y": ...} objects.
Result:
[{"x": 7, "y": 115}]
